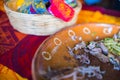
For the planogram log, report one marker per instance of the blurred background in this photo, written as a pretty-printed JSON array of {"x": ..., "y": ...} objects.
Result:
[{"x": 108, "y": 4}]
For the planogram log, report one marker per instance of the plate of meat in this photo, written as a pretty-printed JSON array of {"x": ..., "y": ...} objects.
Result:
[{"x": 89, "y": 51}]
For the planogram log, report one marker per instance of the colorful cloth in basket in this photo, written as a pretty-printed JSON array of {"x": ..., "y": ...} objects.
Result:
[{"x": 61, "y": 10}]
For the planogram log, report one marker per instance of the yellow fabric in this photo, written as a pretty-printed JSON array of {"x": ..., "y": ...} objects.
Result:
[
  {"x": 19, "y": 3},
  {"x": 90, "y": 16},
  {"x": 8, "y": 74}
]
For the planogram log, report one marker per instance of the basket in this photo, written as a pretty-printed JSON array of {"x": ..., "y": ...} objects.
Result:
[{"x": 36, "y": 24}]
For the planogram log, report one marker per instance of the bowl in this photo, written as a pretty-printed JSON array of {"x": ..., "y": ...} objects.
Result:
[
  {"x": 53, "y": 52},
  {"x": 37, "y": 24}
]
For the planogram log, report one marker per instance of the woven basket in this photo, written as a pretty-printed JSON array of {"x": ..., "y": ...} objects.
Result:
[{"x": 36, "y": 24}]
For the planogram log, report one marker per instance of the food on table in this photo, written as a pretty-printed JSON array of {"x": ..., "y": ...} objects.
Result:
[{"x": 95, "y": 60}]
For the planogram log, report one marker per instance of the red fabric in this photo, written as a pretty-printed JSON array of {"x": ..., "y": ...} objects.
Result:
[
  {"x": 19, "y": 58},
  {"x": 8, "y": 38},
  {"x": 15, "y": 53}
]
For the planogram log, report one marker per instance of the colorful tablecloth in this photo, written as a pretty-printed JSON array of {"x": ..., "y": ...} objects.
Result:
[{"x": 17, "y": 49}]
